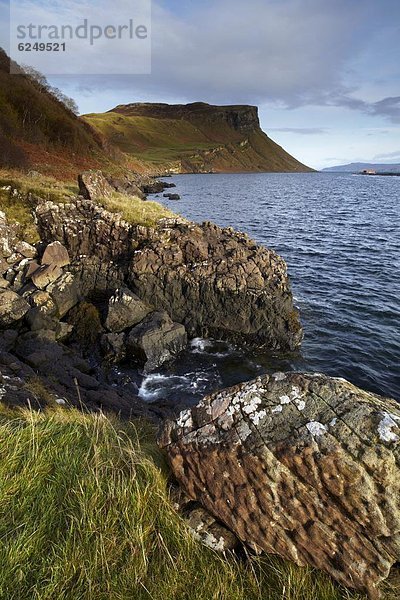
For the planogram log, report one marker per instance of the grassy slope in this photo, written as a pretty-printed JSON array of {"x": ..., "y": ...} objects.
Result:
[
  {"x": 85, "y": 515},
  {"x": 20, "y": 208},
  {"x": 165, "y": 142}
]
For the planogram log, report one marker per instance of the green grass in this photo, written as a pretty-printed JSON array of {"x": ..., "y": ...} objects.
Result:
[
  {"x": 20, "y": 208},
  {"x": 85, "y": 515},
  {"x": 137, "y": 211},
  {"x": 157, "y": 141}
]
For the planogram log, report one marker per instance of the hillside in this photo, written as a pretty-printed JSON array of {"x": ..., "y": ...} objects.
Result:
[
  {"x": 357, "y": 167},
  {"x": 39, "y": 131},
  {"x": 194, "y": 138}
]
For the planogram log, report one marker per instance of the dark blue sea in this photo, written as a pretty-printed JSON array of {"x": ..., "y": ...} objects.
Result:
[{"x": 340, "y": 236}]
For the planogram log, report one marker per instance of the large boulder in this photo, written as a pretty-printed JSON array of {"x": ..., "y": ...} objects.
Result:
[
  {"x": 156, "y": 340},
  {"x": 56, "y": 255},
  {"x": 304, "y": 466},
  {"x": 125, "y": 310},
  {"x": 125, "y": 185},
  {"x": 94, "y": 186},
  {"x": 12, "y": 307}
]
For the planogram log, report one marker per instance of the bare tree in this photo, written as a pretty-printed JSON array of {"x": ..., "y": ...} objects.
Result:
[{"x": 41, "y": 80}]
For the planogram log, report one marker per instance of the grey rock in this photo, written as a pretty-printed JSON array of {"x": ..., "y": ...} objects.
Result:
[
  {"x": 156, "y": 340},
  {"x": 27, "y": 250},
  {"x": 65, "y": 293},
  {"x": 126, "y": 186},
  {"x": 12, "y": 308},
  {"x": 113, "y": 346},
  {"x": 125, "y": 310},
  {"x": 94, "y": 186}
]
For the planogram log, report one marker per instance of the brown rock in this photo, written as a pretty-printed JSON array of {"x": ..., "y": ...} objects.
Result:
[
  {"x": 45, "y": 275},
  {"x": 94, "y": 186},
  {"x": 56, "y": 255},
  {"x": 32, "y": 267},
  {"x": 304, "y": 466}
]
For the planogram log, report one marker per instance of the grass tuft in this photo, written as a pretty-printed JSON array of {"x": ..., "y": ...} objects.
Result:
[
  {"x": 137, "y": 211},
  {"x": 85, "y": 514}
]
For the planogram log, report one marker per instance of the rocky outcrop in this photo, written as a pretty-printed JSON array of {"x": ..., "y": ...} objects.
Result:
[
  {"x": 240, "y": 117},
  {"x": 49, "y": 295},
  {"x": 36, "y": 371},
  {"x": 86, "y": 229},
  {"x": 216, "y": 282},
  {"x": 128, "y": 185},
  {"x": 156, "y": 340},
  {"x": 304, "y": 466}
]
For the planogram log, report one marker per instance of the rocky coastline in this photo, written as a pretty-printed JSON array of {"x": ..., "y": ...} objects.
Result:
[
  {"x": 304, "y": 466},
  {"x": 129, "y": 292}
]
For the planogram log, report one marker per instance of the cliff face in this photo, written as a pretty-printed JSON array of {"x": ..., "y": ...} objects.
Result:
[
  {"x": 194, "y": 138},
  {"x": 239, "y": 118}
]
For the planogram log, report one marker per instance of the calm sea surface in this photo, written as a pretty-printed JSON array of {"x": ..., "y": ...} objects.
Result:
[{"x": 340, "y": 235}]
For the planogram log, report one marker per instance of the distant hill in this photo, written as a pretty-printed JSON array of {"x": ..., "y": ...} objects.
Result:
[
  {"x": 194, "y": 138},
  {"x": 357, "y": 167}
]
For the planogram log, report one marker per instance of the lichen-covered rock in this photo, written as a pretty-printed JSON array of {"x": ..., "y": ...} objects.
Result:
[
  {"x": 156, "y": 340},
  {"x": 304, "y": 466},
  {"x": 12, "y": 307},
  {"x": 26, "y": 250},
  {"x": 125, "y": 310},
  {"x": 94, "y": 186}
]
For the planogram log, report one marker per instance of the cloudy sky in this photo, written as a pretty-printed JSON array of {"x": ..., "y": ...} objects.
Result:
[{"x": 325, "y": 74}]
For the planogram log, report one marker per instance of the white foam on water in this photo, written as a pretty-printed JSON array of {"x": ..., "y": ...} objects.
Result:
[
  {"x": 209, "y": 346},
  {"x": 158, "y": 385}
]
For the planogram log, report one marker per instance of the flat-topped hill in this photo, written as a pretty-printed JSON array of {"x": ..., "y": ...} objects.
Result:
[{"x": 198, "y": 137}]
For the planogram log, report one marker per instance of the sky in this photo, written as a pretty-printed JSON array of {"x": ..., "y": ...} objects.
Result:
[{"x": 325, "y": 74}]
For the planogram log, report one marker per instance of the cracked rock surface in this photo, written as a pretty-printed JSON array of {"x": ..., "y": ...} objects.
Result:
[
  {"x": 301, "y": 465},
  {"x": 216, "y": 282}
]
